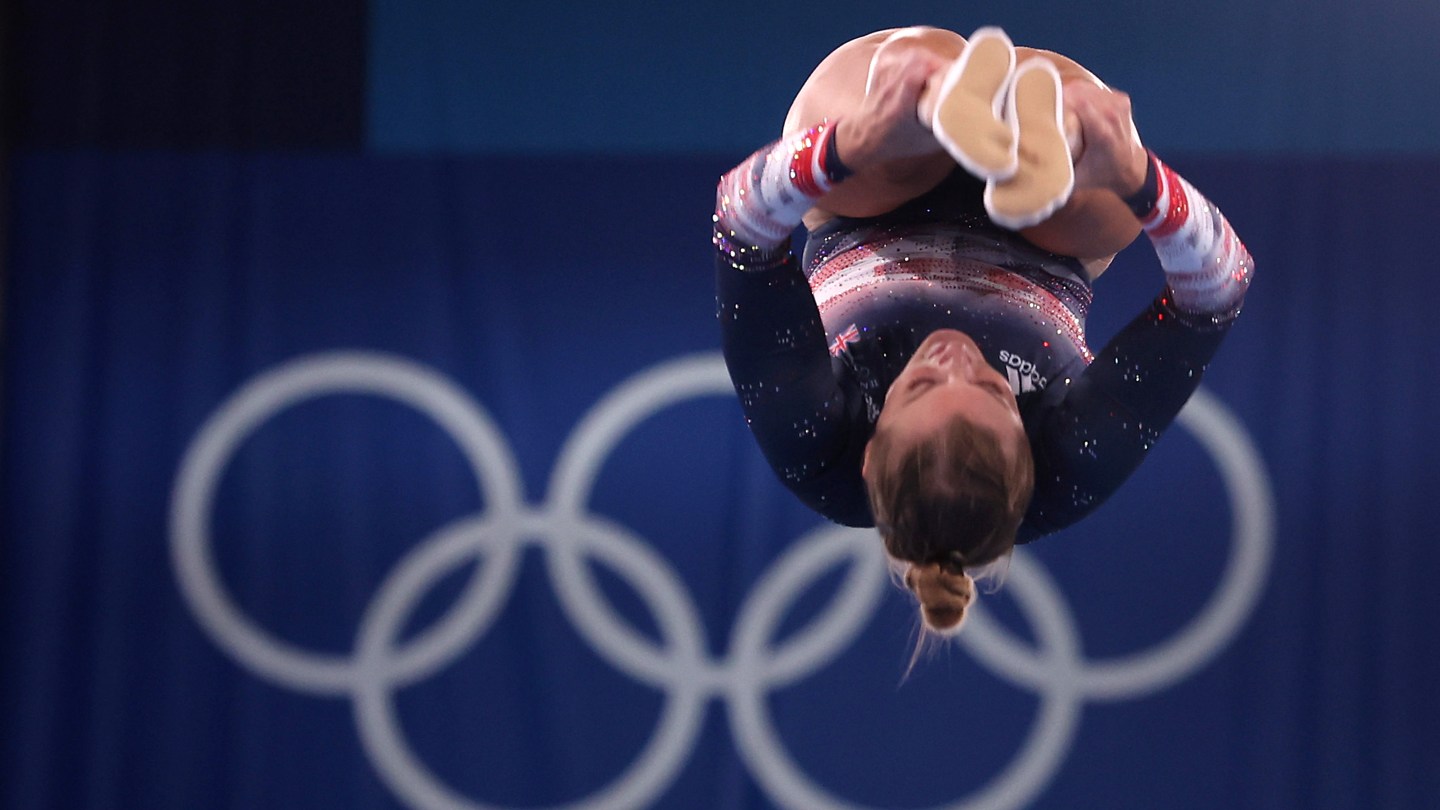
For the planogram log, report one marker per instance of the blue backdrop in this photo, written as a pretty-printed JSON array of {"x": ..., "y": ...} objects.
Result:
[{"x": 343, "y": 471}]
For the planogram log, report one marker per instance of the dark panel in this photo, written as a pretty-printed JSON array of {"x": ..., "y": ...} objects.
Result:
[
  {"x": 8, "y": 43},
  {"x": 253, "y": 74}
]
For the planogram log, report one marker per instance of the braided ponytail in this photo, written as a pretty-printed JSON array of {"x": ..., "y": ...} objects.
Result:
[{"x": 944, "y": 596}]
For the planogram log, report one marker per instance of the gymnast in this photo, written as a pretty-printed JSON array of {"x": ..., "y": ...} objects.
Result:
[{"x": 923, "y": 368}]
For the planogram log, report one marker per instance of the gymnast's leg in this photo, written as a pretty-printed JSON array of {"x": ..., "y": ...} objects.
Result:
[
  {"x": 837, "y": 89},
  {"x": 1093, "y": 225}
]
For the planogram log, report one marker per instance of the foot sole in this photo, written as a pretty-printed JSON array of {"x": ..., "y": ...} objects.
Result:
[
  {"x": 1045, "y": 175},
  {"x": 969, "y": 116}
]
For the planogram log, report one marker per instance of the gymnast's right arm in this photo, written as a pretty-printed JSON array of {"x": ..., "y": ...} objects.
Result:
[
  {"x": 812, "y": 432},
  {"x": 773, "y": 338}
]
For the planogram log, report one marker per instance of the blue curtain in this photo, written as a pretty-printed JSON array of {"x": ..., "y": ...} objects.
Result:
[{"x": 335, "y": 475}]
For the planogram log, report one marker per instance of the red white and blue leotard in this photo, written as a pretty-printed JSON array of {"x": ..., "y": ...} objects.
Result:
[{"x": 812, "y": 349}]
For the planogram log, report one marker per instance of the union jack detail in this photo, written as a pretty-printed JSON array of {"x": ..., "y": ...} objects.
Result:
[{"x": 843, "y": 340}]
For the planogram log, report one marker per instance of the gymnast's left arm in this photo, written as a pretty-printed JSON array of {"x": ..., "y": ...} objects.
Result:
[{"x": 1116, "y": 408}]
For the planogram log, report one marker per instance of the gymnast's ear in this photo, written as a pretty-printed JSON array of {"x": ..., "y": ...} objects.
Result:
[{"x": 865, "y": 463}]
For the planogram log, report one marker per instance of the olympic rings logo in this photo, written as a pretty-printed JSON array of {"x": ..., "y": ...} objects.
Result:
[{"x": 569, "y": 534}]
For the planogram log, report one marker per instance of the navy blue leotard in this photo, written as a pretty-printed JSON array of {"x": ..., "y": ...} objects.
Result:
[{"x": 812, "y": 350}]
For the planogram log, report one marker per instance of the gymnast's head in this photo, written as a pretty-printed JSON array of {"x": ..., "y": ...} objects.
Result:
[{"x": 949, "y": 474}]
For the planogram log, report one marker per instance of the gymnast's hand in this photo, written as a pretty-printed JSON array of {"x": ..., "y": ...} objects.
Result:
[
  {"x": 1111, "y": 155},
  {"x": 887, "y": 125}
]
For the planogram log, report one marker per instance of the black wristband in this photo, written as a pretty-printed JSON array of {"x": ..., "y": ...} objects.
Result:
[
  {"x": 835, "y": 169},
  {"x": 1142, "y": 202}
]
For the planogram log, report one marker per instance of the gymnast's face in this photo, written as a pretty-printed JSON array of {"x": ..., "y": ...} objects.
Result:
[{"x": 948, "y": 377}]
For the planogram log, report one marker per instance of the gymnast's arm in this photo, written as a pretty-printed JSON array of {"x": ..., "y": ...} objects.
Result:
[
  {"x": 812, "y": 432},
  {"x": 809, "y": 430},
  {"x": 1116, "y": 409}
]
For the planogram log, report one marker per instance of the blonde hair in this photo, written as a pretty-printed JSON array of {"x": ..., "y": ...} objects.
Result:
[
  {"x": 944, "y": 507},
  {"x": 959, "y": 494},
  {"x": 945, "y": 597}
]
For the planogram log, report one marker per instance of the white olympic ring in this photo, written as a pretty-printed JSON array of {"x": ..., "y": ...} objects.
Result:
[{"x": 568, "y": 533}]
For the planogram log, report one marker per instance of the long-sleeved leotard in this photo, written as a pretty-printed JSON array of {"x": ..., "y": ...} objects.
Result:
[{"x": 813, "y": 349}]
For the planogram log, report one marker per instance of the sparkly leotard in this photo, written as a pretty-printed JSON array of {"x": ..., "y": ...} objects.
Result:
[{"x": 813, "y": 349}]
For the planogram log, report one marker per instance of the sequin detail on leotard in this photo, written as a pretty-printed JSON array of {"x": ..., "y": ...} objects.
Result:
[{"x": 952, "y": 270}]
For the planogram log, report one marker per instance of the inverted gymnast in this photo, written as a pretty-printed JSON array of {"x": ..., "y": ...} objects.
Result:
[{"x": 924, "y": 368}]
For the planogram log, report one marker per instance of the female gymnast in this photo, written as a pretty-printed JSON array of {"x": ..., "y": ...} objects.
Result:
[{"x": 924, "y": 368}]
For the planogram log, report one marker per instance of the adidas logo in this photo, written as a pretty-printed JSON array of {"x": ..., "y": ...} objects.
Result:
[{"x": 1022, "y": 373}]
